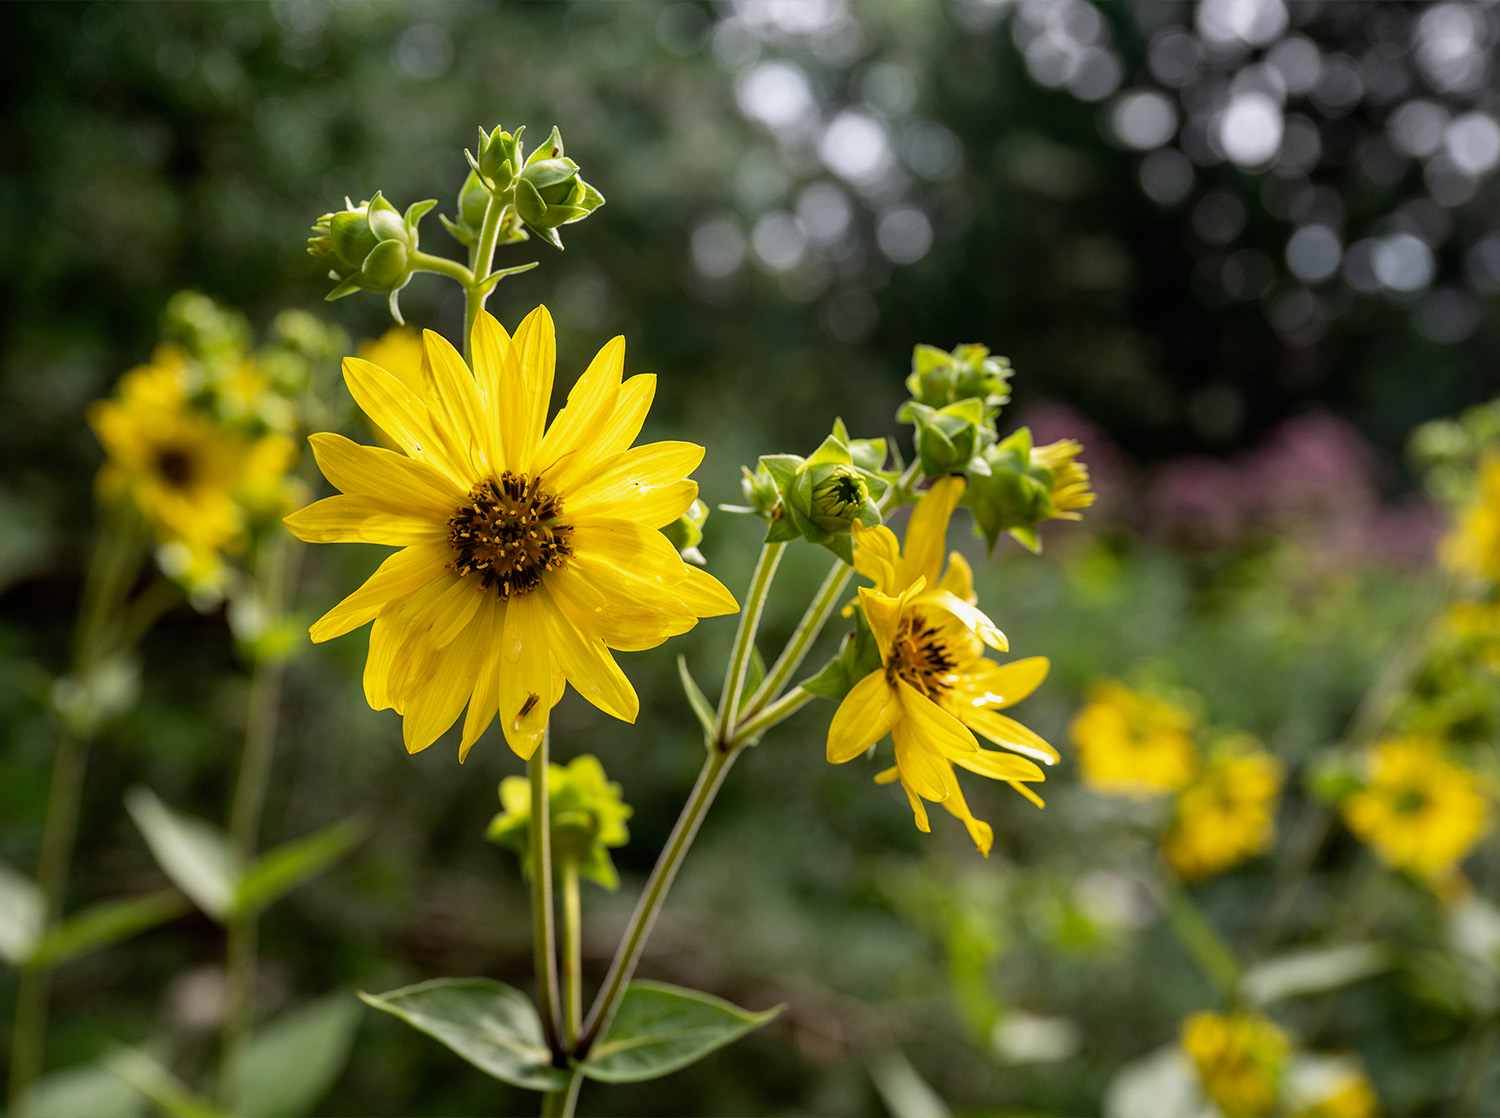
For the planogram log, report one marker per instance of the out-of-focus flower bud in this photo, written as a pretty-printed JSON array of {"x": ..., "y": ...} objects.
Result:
[
  {"x": 823, "y": 496},
  {"x": 968, "y": 373},
  {"x": 760, "y": 493},
  {"x": 588, "y": 818},
  {"x": 473, "y": 200},
  {"x": 1014, "y": 486},
  {"x": 368, "y": 247},
  {"x": 948, "y": 438},
  {"x": 686, "y": 533},
  {"x": 205, "y": 329}
]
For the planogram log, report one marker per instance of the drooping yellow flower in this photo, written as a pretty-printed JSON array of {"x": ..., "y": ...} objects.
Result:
[
  {"x": 935, "y": 688},
  {"x": 1473, "y": 545},
  {"x": 1240, "y": 1060},
  {"x": 527, "y": 555},
  {"x": 193, "y": 477},
  {"x": 1133, "y": 745},
  {"x": 1227, "y": 814},
  {"x": 1420, "y": 811},
  {"x": 1070, "y": 478}
]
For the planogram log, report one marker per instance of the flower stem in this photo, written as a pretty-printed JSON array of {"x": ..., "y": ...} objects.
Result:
[
  {"x": 628, "y": 955},
  {"x": 543, "y": 919},
  {"x": 755, "y": 725},
  {"x": 480, "y": 259},
  {"x": 560, "y": 1103},
  {"x": 806, "y": 632},
  {"x": 744, "y": 641},
  {"x": 1477, "y": 1063},
  {"x": 427, "y": 262},
  {"x": 572, "y": 957}
]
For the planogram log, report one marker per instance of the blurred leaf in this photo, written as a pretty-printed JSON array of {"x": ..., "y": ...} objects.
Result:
[
  {"x": 283, "y": 869},
  {"x": 1203, "y": 942},
  {"x": 661, "y": 1028},
  {"x": 905, "y": 1093},
  {"x": 493, "y": 1026},
  {"x": 108, "y": 922},
  {"x": 291, "y": 1063},
  {"x": 23, "y": 913},
  {"x": 1313, "y": 972},
  {"x": 91, "y": 1091},
  {"x": 191, "y": 852},
  {"x": 696, "y": 699},
  {"x": 146, "y": 1075}
]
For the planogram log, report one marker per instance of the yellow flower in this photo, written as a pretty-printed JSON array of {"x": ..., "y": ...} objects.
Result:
[
  {"x": 1240, "y": 1060},
  {"x": 526, "y": 556},
  {"x": 1070, "y": 478},
  {"x": 1225, "y": 816},
  {"x": 1473, "y": 546},
  {"x": 1420, "y": 811},
  {"x": 1131, "y": 744},
  {"x": 192, "y": 477},
  {"x": 935, "y": 686}
]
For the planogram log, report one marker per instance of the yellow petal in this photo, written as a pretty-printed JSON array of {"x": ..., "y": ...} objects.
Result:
[
  {"x": 588, "y": 666},
  {"x": 1003, "y": 685},
  {"x": 344, "y": 519},
  {"x": 453, "y": 609},
  {"x": 1027, "y": 792},
  {"x": 525, "y": 674},
  {"x": 432, "y": 708},
  {"x": 386, "y": 479},
  {"x": 387, "y": 636},
  {"x": 416, "y": 661},
  {"x": 864, "y": 717},
  {"x": 877, "y": 556},
  {"x": 938, "y": 729},
  {"x": 1000, "y": 766},
  {"x": 927, "y": 533},
  {"x": 596, "y": 603},
  {"x": 494, "y": 358},
  {"x": 453, "y": 401},
  {"x": 980, "y": 831},
  {"x": 958, "y": 580},
  {"x": 971, "y": 616},
  {"x": 402, "y": 574},
  {"x": 922, "y": 768},
  {"x": 590, "y": 403},
  {"x": 644, "y": 562},
  {"x": 632, "y": 473},
  {"x": 882, "y": 613},
  {"x": 618, "y": 429},
  {"x": 484, "y": 700},
  {"x": 887, "y": 776},
  {"x": 918, "y": 808},
  {"x": 705, "y": 595},
  {"x": 1011, "y": 734},
  {"x": 393, "y": 408},
  {"x": 535, "y": 346}
]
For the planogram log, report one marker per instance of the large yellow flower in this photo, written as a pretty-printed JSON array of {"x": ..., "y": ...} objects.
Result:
[
  {"x": 1133, "y": 745},
  {"x": 1228, "y": 814},
  {"x": 934, "y": 686},
  {"x": 526, "y": 554}
]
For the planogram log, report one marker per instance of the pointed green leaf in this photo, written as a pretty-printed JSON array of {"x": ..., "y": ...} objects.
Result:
[
  {"x": 91, "y": 1089},
  {"x": 661, "y": 1028},
  {"x": 493, "y": 1026},
  {"x": 194, "y": 854},
  {"x": 1314, "y": 971},
  {"x": 102, "y": 924},
  {"x": 696, "y": 699},
  {"x": 23, "y": 915},
  {"x": 831, "y": 682},
  {"x": 291, "y": 1063},
  {"x": 143, "y": 1072},
  {"x": 281, "y": 870}
]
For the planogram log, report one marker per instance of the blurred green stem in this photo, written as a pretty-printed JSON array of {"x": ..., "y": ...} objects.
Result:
[
  {"x": 572, "y": 959},
  {"x": 807, "y": 631},
  {"x": 744, "y": 642},
  {"x": 560, "y": 1104},
  {"x": 1208, "y": 949},
  {"x": 543, "y": 919},
  {"x": 1477, "y": 1063}
]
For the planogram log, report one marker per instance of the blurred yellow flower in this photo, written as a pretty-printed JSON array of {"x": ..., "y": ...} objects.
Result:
[
  {"x": 1473, "y": 545},
  {"x": 1070, "y": 478},
  {"x": 934, "y": 686},
  {"x": 1420, "y": 811},
  {"x": 1227, "y": 814},
  {"x": 525, "y": 556},
  {"x": 1240, "y": 1059},
  {"x": 1131, "y": 744}
]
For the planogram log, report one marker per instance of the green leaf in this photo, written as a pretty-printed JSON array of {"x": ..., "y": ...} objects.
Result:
[
  {"x": 291, "y": 1063},
  {"x": 281, "y": 870},
  {"x": 192, "y": 853},
  {"x": 493, "y": 1026},
  {"x": 105, "y": 923},
  {"x": 23, "y": 915},
  {"x": 1314, "y": 971},
  {"x": 696, "y": 699},
  {"x": 661, "y": 1028},
  {"x": 903, "y": 1090},
  {"x": 146, "y": 1075},
  {"x": 91, "y": 1089}
]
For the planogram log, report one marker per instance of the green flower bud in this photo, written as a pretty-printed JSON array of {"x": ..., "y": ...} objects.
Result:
[
  {"x": 368, "y": 247},
  {"x": 205, "y": 329},
  {"x": 760, "y": 493},
  {"x": 499, "y": 159},
  {"x": 1014, "y": 486},
  {"x": 549, "y": 191},
  {"x": 588, "y": 818},
  {"x": 948, "y": 438},
  {"x": 686, "y": 532},
  {"x": 823, "y": 496},
  {"x": 938, "y": 379},
  {"x": 839, "y": 496}
]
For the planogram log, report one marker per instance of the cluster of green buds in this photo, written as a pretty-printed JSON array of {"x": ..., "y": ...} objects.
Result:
[
  {"x": 588, "y": 819},
  {"x": 822, "y": 497},
  {"x": 369, "y": 247},
  {"x": 1014, "y": 486},
  {"x": 544, "y": 190}
]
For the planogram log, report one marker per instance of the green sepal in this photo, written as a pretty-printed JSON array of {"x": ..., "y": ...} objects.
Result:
[
  {"x": 858, "y": 656},
  {"x": 488, "y": 283},
  {"x": 1010, "y": 494},
  {"x": 1028, "y": 537},
  {"x": 697, "y": 700},
  {"x": 660, "y": 1029},
  {"x": 491, "y": 1025},
  {"x": 948, "y": 438}
]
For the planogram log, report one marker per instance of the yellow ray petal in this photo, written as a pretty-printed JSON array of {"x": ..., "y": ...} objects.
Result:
[
  {"x": 454, "y": 403},
  {"x": 643, "y": 559},
  {"x": 958, "y": 580},
  {"x": 927, "y": 533},
  {"x": 882, "y": 613},
  {"x": 705, "y": 595},
  {"x": 588, "y": 665},
  {"x": 433, "y": 708},
  {"x": 864, "y": 717},
  {"x": 617, "y": 430},
  {"x": 1003, "y": 685},
  {"x": 587, "y": 601},
  {"x": 493, "y": 359},
  {"x": 387, "y": 636},
  {"x": 888, "y": 776},
  {"x": 402, "y": 574},
  {"x": 535, "y": 346},
  {"x": 971, "y": 616},
  {"x": 416, "y": 660},
  {"x": 641, "y": 469},
  {"x": 590, "y": 403},
  {"x": 877, "y": 556},
  {"x": 922, "y": 768},
  {"x": 980, "y": 831},
  {"x": 393, "y": 408},
  {"x": 1000, "y": 766},
  {"x": 453, "y": 610},
  {"x": 344, "y": 519},
  {"x": 937, "y": 729},
  {"x": 1027, "y": 792},
  {"x": 918, "y": 808},
  {"x": 484, "y": 700},
  {"x": 388, "y": 480},
  {"x": 525, "y": 674},
  {"x": 1011, "y": 734}
]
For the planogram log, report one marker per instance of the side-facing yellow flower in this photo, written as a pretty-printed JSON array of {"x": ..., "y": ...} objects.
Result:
[
  {"x": 1133, "y": 745},
  {"x": 1420, "y": 811},
  {"x": 935, "y": 688},
  {"x": 1473, "y": 545},
  {"x": 528, "y": 552},
  {"x": 1240, "y": 1058},
  {"x": 1070, "y": 478},
  {"x": 1227, "y": 815}
]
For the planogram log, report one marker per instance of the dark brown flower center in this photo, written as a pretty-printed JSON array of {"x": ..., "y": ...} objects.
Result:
[
  {"x": 508, "y": 534},
  {"x": 920, "y": 656},
  {"x": 174, "y": 466}
]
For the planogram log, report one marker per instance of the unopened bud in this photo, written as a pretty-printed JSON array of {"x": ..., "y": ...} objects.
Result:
[
  {"x": 839, "y": 496},
  {"x": 967, "y": 373}
]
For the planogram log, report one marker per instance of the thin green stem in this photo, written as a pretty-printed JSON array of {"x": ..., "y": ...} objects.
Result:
[
  {"x": 560, "y": 1103},
  {"x": 715, "y": 766},
  {"x": 1202, "y": 941},
  {"x": 427, "y": 262},
  {"x": 480, "y": 259},
  {"x": 1478, "y": 1062},
  {"x": 744, "y": 640},
  {"x": 572, "y": 957},
  {"x": 755, "y": 726},
  {"x": 802, "y": 639},
  {"x": 543, "y": 919}
]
